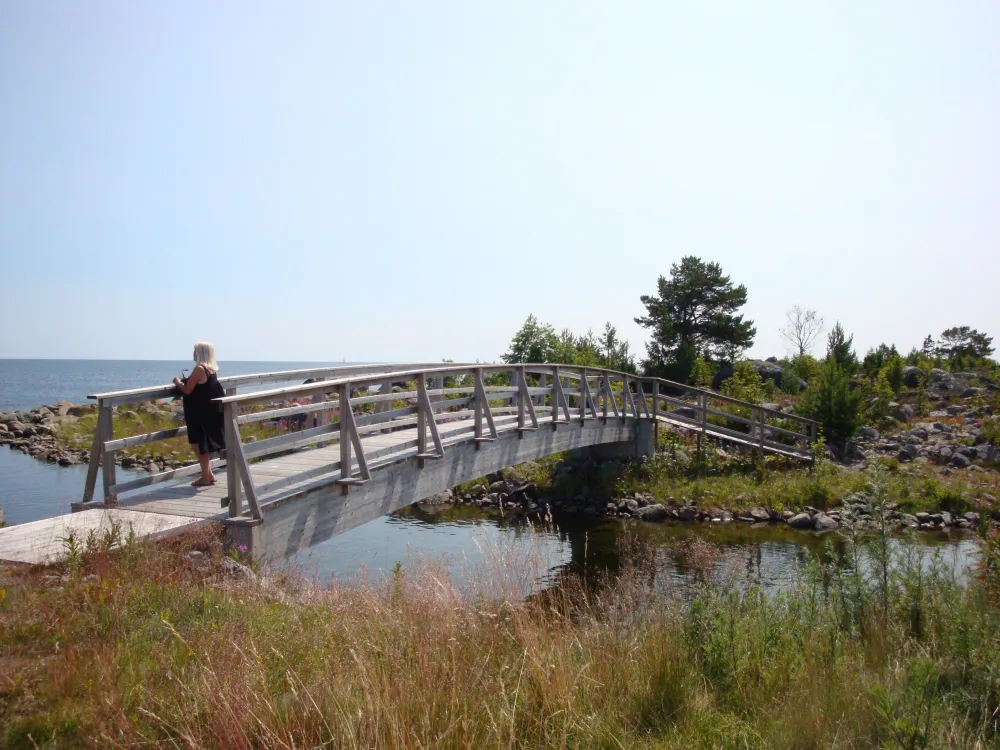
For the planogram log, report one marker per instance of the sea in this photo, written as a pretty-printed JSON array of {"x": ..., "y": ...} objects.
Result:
[{"x": 467, "y": 544}]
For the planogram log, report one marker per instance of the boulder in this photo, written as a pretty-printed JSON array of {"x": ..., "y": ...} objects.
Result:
[
  {"x": 912, "y": 376},
  {"x": 687, "y": 514},
  {"x": 959, "y": 461},
  {"x": 801, "y": 521},
  {"x": 759, "y": 514},
  {"x": 654, "y": 512},
  {"x": 905, "y": 412},
  {"x": 440, "y": 498},
  {"x": 499, "y": 486},
  {"x": 823, "y": 522},
  {"x": 908, "y": 452}
]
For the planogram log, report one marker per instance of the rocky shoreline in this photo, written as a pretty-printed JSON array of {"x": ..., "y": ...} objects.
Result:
[
  {"x": 519, "y": 497},
  {"x": 37, "y": 433}
]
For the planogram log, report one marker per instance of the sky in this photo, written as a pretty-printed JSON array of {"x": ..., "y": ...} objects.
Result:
[{"x": 409, "y": 181}]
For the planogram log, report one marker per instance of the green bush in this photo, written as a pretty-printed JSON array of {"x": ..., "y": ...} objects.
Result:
[{"x": 831, "y": 402}]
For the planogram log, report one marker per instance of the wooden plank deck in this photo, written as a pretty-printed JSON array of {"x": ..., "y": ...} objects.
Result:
[{"x": 43, "y": 541}]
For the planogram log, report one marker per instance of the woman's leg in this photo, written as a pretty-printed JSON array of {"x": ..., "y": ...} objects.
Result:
[{"x": 205, "y": 459}]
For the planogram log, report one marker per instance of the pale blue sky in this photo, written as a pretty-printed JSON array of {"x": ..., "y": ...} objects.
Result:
[{"x": 393, "y": 181}]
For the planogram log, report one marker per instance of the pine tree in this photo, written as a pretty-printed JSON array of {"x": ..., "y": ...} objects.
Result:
[{"x": 840, "y": 348}]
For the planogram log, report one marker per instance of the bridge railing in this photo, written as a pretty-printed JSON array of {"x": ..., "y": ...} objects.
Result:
[
  {"x": 105, "y": 446},
  {"x": 441, "y": 403}
]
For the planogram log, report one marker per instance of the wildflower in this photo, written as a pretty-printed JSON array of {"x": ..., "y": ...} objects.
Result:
[
  {"x": 992, "y": 534},
  {"x": 242, "y": 548}
]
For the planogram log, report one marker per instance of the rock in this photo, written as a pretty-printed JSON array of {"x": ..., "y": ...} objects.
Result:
[
  {"x": 67, "y": 460},
  {"x": 869, "y": 433},
  {"x": 972, "y": 517},
  {"x": 199, "y": 561},
  {"x": 440, "y": 498},
  {"x": 912, "y": 376},
  {"x": 909, "y": 521},
  {"x": 959, "y": 461},
  {"x": 801, "y": 521},
  {"x": 823, "y": 522},
  {"x": 654, "y": 512},
  {"x": 238, "y": 570},
  {"x": 905, "y": 413},
  {"x": 908, "y": 453},
  {"x": 759, "y": 514},
  {"x": 687, "y": 514},
  {"x": 499, "y": 486}
]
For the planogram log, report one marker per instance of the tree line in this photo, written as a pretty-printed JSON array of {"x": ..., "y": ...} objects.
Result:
[{"x": 696, "y": 330}]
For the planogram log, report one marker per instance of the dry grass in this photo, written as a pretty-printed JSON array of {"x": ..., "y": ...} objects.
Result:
[{"x": 152, "y": 653}]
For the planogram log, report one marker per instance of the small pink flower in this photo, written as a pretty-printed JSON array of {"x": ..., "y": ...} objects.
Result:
[{"x": 992, "y": 533}]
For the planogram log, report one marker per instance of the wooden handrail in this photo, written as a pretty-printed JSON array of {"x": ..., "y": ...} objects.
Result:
[
  {"x": 593, "y": 393},
  {"x": 153, "y": 393}
]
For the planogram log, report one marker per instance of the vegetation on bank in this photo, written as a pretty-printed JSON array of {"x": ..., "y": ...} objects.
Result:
[{"x": 134, "y": 646}]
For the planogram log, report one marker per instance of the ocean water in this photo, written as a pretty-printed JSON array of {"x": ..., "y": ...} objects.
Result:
[{"x": 27, "y": 383}]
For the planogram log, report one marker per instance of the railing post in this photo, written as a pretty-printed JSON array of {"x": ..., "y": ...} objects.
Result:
[
  {"x": 478, "y": 406},
  {"x": 760, "y": 415},
  {"x": 656, "y": 412},
  {"x": 234, "y": 485},
  {"x": 344, "y": 405},
  {"x": 319, "y": 417},
  {"x": 421, "y": 415},
  {"x": 106, "y": 430},
  {"x": 96, "y": 450},
  {"x": 555, "y": 396},
  {"x": 541, "y": 384},
  {"x": 516, "y": 376}
]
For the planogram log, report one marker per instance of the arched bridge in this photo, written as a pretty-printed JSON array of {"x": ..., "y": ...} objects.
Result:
[{"x": 355, "y": 443}]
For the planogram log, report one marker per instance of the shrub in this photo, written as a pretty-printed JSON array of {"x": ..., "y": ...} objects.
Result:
[
  {"x": 831, "y": 402},
  {"x": 745, "y": 384}
]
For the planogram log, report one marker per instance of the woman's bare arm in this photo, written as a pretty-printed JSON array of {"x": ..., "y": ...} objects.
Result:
[{"x": 197, "y": 376}]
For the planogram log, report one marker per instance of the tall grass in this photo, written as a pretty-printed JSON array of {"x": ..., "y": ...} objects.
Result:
[{"x": 135, "y": 648}]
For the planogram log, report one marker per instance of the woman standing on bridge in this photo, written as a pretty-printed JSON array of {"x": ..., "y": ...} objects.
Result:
[{"x": 203, "y": 418}]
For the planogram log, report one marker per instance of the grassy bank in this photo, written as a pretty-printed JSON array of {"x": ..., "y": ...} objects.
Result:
[{"x": 135, "y": 647}]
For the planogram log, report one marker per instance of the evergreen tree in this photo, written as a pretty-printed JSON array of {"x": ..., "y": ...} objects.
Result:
[
  {"x": 832, "y": 403},
  {"x": 694, "y": 313},
  {"x": 840, "y": 348}
]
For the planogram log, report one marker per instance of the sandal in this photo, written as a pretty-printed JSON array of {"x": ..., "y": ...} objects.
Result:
[{"x": 200, "y": 483}]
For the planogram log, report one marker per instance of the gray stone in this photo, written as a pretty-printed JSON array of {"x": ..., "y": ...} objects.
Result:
[
  {"x": 905, "y": 412},
  {"x": 869, "y": 433},
  {"x": 687, "y": 514},
  {"x": 959, "y": 461},
  {"x": 500, "y": 486},
  {"x": 238, "y": 570},
  {"x": 759, "y": 514},
  {"x": 654, "y": 512},
  {"x": 801, "y": 521},
  {"x": 823, "y": 522},
  {"x": 199, "y": 561},
  {"x": 912, "y": 376},
  {"x": 440, "y": 498},
  {"x": 972, "y": 517},
  {"x": 908, "y": 453}
]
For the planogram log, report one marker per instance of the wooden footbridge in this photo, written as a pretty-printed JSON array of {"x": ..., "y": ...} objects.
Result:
[{"x": 356, "y": 443}]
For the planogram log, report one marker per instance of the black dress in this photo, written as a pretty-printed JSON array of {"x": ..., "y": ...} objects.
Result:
[{"x": 203, "y": 417}]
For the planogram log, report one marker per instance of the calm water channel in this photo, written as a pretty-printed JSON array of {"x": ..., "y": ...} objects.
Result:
[{"x": 467, "y": 543}]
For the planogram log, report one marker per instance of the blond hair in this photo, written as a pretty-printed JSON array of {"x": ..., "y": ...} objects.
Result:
[{"x": 204, "y": 355}]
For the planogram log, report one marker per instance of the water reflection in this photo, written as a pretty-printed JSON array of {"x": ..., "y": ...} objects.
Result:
[{"x": 513, "y": 555}]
